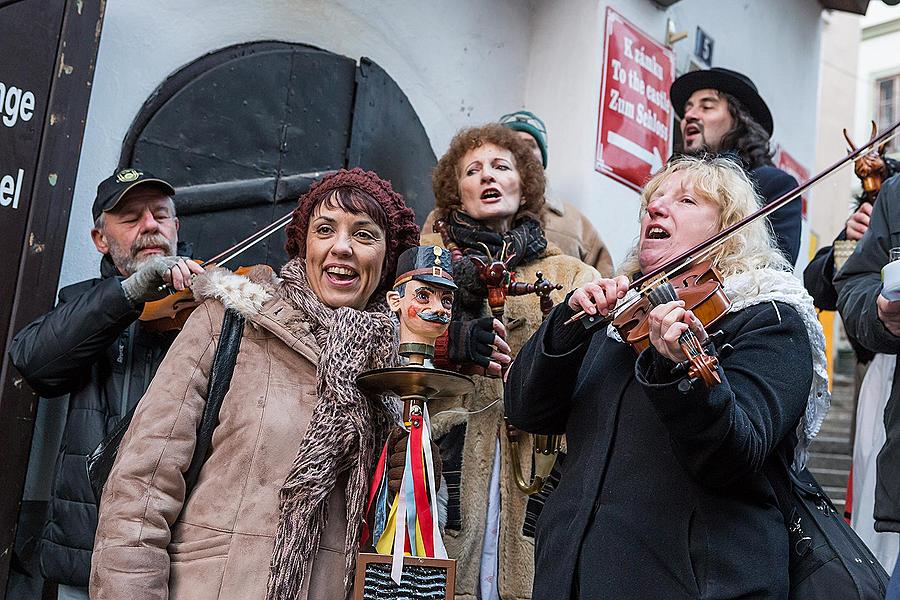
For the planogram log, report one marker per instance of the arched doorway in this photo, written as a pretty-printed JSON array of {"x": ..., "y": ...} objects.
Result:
[{"x": 243, "y": 131}]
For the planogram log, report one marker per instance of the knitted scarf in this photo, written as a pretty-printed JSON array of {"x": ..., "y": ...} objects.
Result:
[
  {"x": 345, "y": 429},
  {"x": 525, "y": 241}
]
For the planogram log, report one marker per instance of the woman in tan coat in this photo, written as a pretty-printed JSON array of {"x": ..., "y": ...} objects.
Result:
[
  {"x": 287, "y": 475},
  {"x": 489, "y": 189}
]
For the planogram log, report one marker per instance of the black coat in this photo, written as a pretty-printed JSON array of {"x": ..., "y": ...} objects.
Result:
[
  {"x": 92, "y": 348},
  {"x": 771, "y": 183},
  {"x": 665, "y": 494},
  {"x": 858, "y": 284},
  {"x": 818, "y": 279}
]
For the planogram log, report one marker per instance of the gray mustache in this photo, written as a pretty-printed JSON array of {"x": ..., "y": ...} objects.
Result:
[
  {"x": 433, "y": 317},
  {"x": 150, "y": 240}
]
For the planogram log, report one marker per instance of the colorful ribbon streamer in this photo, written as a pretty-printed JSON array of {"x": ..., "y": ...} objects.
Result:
[{"x": 409, "y": 527}]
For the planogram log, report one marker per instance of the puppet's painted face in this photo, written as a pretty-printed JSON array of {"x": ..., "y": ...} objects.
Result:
[{"x": 424, "y": 310}]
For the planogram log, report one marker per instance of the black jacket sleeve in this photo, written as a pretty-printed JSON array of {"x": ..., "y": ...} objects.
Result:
[
  {"x": 537, "y": 395},
  {"x": 772, "y": 183},
  {"x": 818, "y": 278},
  {"x": 55, "y": 352},
  {"x": 724, "y": 433},
  {"x": 858, "y": 282}
]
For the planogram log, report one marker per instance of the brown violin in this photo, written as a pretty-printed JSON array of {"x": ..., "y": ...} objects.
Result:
[
  {"x": 870, "y": 168},
  {"x": 700, "y": 288},
  {"x": 172, "y": 312}
]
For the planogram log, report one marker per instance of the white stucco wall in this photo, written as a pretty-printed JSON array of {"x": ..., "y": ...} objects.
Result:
[
  {"x": 830, "y": 201},
  {"x": 879, "y": 57},
  {"x": 460, "y": 63},
  {"x": 774, "y": 42}
]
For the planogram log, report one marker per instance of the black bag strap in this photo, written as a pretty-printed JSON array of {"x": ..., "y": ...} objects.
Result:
[
  {"x": 219, "y": 382},
  {"x": 99, "y": 462}
]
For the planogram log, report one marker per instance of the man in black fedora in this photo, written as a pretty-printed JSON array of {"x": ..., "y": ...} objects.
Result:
[
  {"x": 722, "y": 112},
  {"x": 93, "y": 350}
]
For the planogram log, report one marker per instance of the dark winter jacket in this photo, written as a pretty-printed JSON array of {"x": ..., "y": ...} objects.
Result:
[
  {"x": 771, "y": 183},
  {"x": 93, "y": 348},
  {"x": 665, "y": 493},
  {"x": 858, "y": 284}
]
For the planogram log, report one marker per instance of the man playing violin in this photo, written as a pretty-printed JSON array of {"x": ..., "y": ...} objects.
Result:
[
  {"x": 669, "y": 489},
  {"x": 93, "y": 348},
  {"x": 722, "y": 112}
]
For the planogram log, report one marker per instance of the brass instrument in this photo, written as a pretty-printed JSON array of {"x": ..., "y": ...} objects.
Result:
[{"x": 544, "y": 451}]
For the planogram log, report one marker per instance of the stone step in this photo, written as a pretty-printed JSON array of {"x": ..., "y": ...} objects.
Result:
[
  {"x": 839, "y": 413},
  {"x": 823, "y": 460},
  {"x": 835, "y": 430},
  {"x": 830, "y": 444},
  {"x": 836, "y": 494},
  {"x": 831, "y": 477},
  {"x": 838, "y": 424}
]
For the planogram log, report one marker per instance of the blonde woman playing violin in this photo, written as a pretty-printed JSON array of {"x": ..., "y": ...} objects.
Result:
[{"x": 668, "y": 490}]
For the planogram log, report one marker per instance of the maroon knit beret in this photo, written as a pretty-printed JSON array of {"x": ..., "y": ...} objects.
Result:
[{"x": 402, "y": 230}]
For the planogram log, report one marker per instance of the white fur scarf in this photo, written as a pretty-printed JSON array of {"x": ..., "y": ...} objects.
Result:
[{"x": 771, "y": 285}]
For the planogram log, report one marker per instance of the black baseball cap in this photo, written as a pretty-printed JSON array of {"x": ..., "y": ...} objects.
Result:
[{"x": 113, "y": 188}]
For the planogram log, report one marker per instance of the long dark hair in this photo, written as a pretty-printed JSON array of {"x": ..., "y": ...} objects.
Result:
[{"x": 746, "y": 136}]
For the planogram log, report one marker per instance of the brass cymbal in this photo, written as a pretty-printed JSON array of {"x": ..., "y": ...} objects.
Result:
[{"x": 413, "y": 380}]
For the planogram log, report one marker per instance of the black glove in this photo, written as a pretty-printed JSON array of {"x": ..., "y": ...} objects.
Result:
[
  {"x": 470, "y": 341},
  {"x": 397, "y": 460}
]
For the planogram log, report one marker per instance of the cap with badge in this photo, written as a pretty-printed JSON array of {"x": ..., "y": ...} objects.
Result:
[
  {"x": 112, "y": 189},
  {"x": 425, "y": 263}
]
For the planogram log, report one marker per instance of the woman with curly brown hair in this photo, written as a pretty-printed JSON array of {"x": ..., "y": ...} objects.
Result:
[
  {"x": 489, "y": 190},
  {"x": 277, "y": 507}
]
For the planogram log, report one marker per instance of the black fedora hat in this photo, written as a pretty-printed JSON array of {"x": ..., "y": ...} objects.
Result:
[{"x": 725, "y": 80}]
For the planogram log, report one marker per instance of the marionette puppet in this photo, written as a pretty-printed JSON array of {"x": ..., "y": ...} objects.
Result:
[
  {"x": 422, "y": 298},
  {"x": 405, "y": 526}
]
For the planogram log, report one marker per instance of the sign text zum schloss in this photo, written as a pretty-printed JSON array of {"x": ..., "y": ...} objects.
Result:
[{"x": 16, "y": 106}]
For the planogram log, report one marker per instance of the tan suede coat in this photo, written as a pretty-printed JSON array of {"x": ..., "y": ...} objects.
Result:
[
  {"x": 150, "y": 543},
  {"x": 516, "y": 552}
]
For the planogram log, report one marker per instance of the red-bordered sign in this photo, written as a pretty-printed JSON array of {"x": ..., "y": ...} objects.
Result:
[
  {"x": 790, "y": 165},
  {"x": 634, "y": 136}
]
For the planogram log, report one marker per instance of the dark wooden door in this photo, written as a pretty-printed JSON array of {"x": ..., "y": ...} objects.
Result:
[{"x": 243, "y": 132}]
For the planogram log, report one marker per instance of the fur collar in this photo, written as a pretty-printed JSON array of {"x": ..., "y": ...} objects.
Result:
[{"x": 245, "y": 293}]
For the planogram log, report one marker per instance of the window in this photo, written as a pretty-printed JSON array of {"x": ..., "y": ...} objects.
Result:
[{"x": 887, "y": 106}]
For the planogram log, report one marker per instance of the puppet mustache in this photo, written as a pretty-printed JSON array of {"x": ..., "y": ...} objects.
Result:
[{"x": 434, "y": 317}]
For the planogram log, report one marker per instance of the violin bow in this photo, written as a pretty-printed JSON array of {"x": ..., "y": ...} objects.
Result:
[
  {"x": 705, "y": 247},
  {"x": 226, "y": 255}
]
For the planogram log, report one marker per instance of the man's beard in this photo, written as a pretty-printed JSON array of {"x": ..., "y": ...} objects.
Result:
[
  {"x": 702, "y": 148},
  {"x": 128, "y": 261}
]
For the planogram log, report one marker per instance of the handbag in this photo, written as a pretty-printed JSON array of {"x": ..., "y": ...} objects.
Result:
[
  {"x": 827, "y": 558},
  {"x": 100, "y": 462}
]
